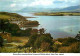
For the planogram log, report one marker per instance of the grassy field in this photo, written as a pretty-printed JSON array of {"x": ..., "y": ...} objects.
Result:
[
  {"x": 13, "y": 46},
  {"x": 6, "y": 15}
]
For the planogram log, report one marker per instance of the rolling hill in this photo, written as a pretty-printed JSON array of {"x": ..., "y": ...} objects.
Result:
[
  {"x": 67, "y": 9},
  {"x": 33, "y": 9},
  {"x": 70, "y": 9}
]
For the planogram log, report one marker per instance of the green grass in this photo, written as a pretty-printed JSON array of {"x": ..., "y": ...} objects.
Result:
[{"x": 6, "y": 15}]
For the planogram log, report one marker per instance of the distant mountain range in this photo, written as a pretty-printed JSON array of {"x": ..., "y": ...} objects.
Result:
[
  {"x": 68, "y": 9},
  {"x": 33, "y": 9}
]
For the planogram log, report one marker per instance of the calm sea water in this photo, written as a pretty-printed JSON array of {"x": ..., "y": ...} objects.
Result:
[{"x": 58, "y": 26}]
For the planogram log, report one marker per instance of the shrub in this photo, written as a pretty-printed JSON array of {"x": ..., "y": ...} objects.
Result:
[
  {"x": 74, "y": 48},
  {"x": 37, "y": 41},
  {"x": 44, "y": 39},
  {"x": 45, "y": 46},
  {"x": 56, "y": 47},
  {"x": 31, "y": 41},
  {"x": 67, "y": 41},
  {"x": 64, "y": 50}
]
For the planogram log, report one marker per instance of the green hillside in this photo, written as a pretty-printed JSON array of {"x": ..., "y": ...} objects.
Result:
[{"x": 6, "y": 15}]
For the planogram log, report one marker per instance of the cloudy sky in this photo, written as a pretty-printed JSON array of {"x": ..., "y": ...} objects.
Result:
[{"x": 20, "y": 4}]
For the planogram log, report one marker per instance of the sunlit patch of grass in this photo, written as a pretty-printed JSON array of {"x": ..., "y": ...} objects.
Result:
[
  {"x": 4, "y": 17},
  {"x": 20, "y": 39}
]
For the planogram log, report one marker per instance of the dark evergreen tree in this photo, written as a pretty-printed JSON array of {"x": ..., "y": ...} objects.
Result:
[{"x": 1, "y": 41}]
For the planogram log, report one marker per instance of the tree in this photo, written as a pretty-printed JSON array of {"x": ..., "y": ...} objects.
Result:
[
  {"x": 6, "y": 26},
  {"x": 12, "y": 28},
  {"x": 1, "y": 41},
  {"x": 78, "y": 37},
  {"x": 42, "y": 31},
  {"x": 3, "y": 24}
]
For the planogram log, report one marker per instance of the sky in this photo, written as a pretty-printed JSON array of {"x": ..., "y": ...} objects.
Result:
[{"x": 20, "y": 4}]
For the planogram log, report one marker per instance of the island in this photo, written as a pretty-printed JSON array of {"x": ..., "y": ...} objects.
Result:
[{"x": 57, "y": 13}]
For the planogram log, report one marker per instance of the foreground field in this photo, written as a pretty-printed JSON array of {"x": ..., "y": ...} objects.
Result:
[{"x": 13, "y": 46}]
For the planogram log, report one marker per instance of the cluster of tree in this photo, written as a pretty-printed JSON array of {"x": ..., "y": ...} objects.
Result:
[
  {"x": 26, "y": 32},
  {"x": 40, "y": 41},
  {"x": 45, "y": 42},
  {"x": 6, "y": 26}
]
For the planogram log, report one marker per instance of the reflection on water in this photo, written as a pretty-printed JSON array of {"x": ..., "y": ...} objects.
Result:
[{"x": 58, "y": 26}]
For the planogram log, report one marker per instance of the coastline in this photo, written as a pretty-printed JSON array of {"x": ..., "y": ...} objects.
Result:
[{"x": 18, "y": 19}]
